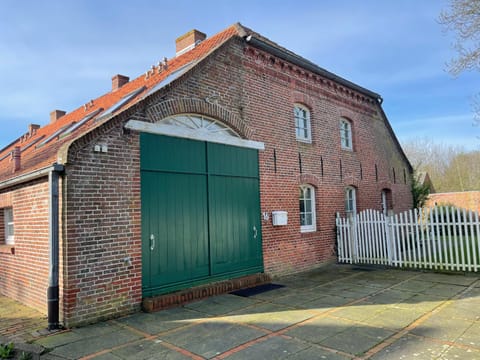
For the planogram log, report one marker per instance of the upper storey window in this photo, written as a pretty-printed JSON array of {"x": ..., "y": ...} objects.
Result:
[
  {"x": 302, "y": 123},
  {"x": 346, "y": 134}
]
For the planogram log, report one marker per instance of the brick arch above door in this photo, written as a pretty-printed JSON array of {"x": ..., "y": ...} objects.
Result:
[{"x": 171, "y": 107}]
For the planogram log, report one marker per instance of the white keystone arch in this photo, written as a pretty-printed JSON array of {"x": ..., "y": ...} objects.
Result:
[{"x": 195, "y": 127}]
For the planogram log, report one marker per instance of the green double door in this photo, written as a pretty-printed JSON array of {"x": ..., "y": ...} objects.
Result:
[{"x": 200, "y": 213}]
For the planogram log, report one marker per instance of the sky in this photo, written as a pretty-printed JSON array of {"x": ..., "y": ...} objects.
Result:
[{"x": 60, "y": 54}]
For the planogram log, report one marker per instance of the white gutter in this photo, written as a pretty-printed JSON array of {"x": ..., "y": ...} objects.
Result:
[{"x": 28, "y": 177}]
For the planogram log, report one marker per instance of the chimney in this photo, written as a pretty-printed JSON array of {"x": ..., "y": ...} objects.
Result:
[
  {"x": 32, "y": 129},
  {"x": 188, "y": 41},
  {"x": 55, "y": 115},
  {"x": 118, "y": 81},
  {"x": 16, "y": 158}
]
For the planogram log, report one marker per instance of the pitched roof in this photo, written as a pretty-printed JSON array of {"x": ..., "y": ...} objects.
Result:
[{"x": 40, "y": 146}]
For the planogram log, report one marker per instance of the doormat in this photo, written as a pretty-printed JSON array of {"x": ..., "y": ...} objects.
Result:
[{"x": 256, "y": 290}]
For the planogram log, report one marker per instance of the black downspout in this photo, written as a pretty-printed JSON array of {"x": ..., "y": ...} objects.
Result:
[{"x": 53, "y": 289}]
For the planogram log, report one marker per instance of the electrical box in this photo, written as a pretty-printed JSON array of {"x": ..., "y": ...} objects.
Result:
[{"x": 279, "y": 218}]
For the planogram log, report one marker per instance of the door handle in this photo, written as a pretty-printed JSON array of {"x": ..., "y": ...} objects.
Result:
[
  {"x": 254, "y": 232},
  {"x": 152, "y": 242}
]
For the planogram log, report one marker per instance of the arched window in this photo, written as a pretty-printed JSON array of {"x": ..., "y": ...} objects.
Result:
[
  {"x": 386, "y": 201},
  {"x": 307, "y": 208},
  {"x": 199, "y": 123},
  {"x": 302, "y": 123},
  {"x": 346, "y": 134},
  {"x": 350, "y": 200}
]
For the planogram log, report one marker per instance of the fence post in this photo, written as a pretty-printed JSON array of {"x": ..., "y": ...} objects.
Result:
[
  {"x": 388, "y": 236},
  {"x": 353, "y": 236}
]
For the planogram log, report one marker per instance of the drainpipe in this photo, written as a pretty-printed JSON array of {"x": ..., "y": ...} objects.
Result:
[{"x": 53, "y": 239}]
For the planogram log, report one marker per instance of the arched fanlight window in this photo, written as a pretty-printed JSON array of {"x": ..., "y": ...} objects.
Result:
[{"x": 200, "y": 123}]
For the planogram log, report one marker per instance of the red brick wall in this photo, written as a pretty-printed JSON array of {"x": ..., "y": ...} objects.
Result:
[
  {"x": 2, "y": 226},
  {"x": 24, "y": 274},
  {"x": 102, "y": 205},
  {"x": 469, "y": 200},
  {"x": 102, "y": 221}
]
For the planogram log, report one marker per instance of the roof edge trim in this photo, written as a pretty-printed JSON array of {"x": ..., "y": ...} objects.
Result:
[
  {"x": 30, "y": 176},
  {"x": 308, "y": 65}
]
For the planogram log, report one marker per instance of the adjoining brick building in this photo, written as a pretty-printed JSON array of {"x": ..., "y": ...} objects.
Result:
[{"x": 176, "y": 178}]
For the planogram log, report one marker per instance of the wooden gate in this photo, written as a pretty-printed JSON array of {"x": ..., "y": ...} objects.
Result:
[
  {"x": 437, "y": 238},
  {"x": 200, "y": 213}
]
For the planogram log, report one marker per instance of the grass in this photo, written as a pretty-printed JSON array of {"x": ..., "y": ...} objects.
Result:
[{"x": 445, "y": 255}]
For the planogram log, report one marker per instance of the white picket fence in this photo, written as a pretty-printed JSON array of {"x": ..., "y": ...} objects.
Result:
[{"x": 444, "y": 238}]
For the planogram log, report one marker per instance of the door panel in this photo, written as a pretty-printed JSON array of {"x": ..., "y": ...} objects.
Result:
[
  {"x": 177, "y": 217},
  {"x": 235, "y": 233},
  {"x": 164, "y": 153},
  {"x": 232, "y": 161}
]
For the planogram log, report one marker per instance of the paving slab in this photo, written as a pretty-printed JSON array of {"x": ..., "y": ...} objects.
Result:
[
  {"x": 276, "y": 347},
  {"x": 316, "y": 353},
  {"x": 297, "y": 298},
  {"x": 318, "y": 329},
  {"x": 357, "y": 339},
  {"x": 455, "y": 279},
  {"x": 455, "y": 353},
  {"x": 93, "y": 342},
  {"x": 442, "y": 328},
  {"x": 390, "y": 296},
  {"x": 409, "y": 347},
  {"x": 471, "y": 336},
  {"x": 212, "y": 338},
  {"x": 393, "y": 318},
  {"x": 464, "y": 311},
  {"x": 359, "y": 312},
  {"x": 147, "y": 349},
  {"x": 325, "y": 303},
  {"x": 221, "y": 304},
  {"x": 446, "y": 290},
  {"x": 154, "y": 323},
  {"x": 270, "y": 316},
  {"x": 415, "y": 285}
]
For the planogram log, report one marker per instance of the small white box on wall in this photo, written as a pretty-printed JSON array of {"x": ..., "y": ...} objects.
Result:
[{"x": 279, "y": 218}]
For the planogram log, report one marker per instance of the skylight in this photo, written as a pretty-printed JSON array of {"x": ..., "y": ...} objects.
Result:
[
  {"x": 32, "y": 143},
  {"x": 122, "y": 101},
  {"x": 170, "y": 78},
  {"x": 56, "y": 134},
  {"x": 81, "y": 122}
]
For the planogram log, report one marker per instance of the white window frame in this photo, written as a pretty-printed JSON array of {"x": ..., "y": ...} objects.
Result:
[
  {"x": 346, "y": 134},
  {"x": 9, "y": 226},
  {"x": 384, "y": 202},
  {"x": 350, "y": 200},
  {"x": 313, "y": 226},
  {"x": 302, "y": 114}
]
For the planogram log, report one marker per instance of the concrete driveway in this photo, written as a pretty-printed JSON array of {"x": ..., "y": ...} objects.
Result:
[{"x": 335, "y": 312}]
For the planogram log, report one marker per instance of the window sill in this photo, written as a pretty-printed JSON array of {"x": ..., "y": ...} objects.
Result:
[
  {"x": 305, "y": 141},
  {"x": 347, "y": 149},
  {"x": 306, "y": 231},
  {"x": 7, "y": 249}
]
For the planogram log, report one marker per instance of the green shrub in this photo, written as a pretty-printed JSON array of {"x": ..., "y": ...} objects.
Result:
[{"x": 6, "y": 350}]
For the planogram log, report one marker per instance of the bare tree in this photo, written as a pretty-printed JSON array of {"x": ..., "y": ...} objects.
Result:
[
  {"x": 450, "y": 168},
  {"x": 463, "y": 18}
]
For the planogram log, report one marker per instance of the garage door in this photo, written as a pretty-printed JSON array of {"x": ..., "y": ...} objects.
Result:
[{"x": 200, "y": 212}]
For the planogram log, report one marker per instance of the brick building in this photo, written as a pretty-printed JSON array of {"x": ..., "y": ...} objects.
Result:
[{"x": 175, "y": 179}]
